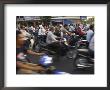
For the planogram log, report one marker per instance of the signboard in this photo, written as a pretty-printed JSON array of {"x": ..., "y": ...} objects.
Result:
[
  {"x": 67, "y": 21},
  {"x": 31, "y": 17},
  {"x": 57, "y": 20},
  {"x": 83, "y": 17}
]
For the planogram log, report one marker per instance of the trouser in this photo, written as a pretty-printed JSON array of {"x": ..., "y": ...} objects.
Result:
[
  {"x": 59, "y": 48},
  {"x": 87, "y": 44},
  {"x": 91, "y": 52}
]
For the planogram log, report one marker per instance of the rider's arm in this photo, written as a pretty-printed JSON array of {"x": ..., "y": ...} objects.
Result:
[
  {"x": 32, "y": 64},
  {"x": 34, "y": 53},
  {"x": 53, "y": 38},
  {"x": 22, "y": 65},
  {"x": 67, "y": 32}
]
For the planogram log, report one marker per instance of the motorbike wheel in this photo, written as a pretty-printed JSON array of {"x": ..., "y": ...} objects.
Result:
[
  {"x": 81, "y": 63},
  {"x": 72, "y": 54}
]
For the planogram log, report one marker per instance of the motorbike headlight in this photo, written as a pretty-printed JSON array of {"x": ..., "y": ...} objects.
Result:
[
  {"x": 45, "y": 60},
  {"x": 64, "y": 39}
]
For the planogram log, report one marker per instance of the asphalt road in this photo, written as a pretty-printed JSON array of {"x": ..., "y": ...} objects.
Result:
[{"x": 65, "y": 64}]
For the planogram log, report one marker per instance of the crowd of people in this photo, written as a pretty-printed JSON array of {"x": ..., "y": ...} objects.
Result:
[{"x": 52, "y": 35}]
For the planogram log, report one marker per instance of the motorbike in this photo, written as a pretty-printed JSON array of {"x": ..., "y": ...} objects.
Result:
[
  {"x": 83, "y": 59},
  {"x": 81, "y": 56},
  {"x": 42, "y": 46},
  {"x": 46, "y": 62}
]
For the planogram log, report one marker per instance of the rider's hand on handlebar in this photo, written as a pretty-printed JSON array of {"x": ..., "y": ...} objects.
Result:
[
  {"x": 39, "y": 69},
  {"x": 40, "y": 54}
]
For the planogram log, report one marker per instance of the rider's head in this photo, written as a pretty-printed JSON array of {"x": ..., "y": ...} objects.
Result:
[
  {"x": 20, "y": 38},
  {"x": 92, "y": 27},
  {"x": 52, "y": 29},
  {"x": 66, "y": 26}
]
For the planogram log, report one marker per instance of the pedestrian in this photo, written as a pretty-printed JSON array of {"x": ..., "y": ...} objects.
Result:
[{"x": 90, "y": 33}]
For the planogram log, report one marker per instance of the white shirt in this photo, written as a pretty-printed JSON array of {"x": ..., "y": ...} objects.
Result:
[
  {"x": 50, "y": 38},
  {"x": 61, "y": 34},
  {"x": 42, "y": 31},
  {"x": 32, "y": 28},
  {"x": 89, "y": 35},
  {"x": 71, "y": 28}
]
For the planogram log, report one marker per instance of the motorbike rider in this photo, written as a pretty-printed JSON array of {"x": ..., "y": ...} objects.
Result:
[
  {"x": 22, "y": 65},
  {"x": 54, "y": 42}
]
